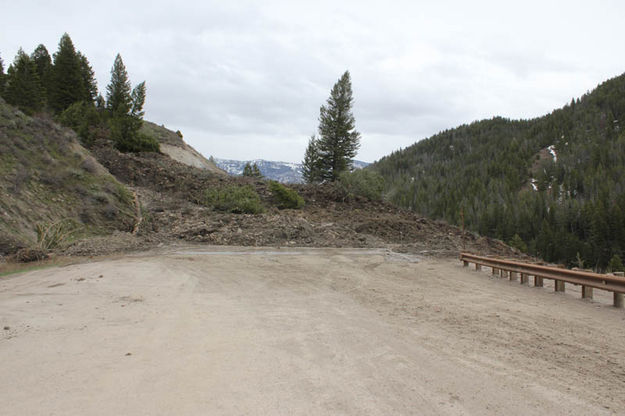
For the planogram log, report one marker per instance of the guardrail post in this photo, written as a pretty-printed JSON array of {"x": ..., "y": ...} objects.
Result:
[
  {"x": 478, "y": 267},
  {"x": 465, "y": 263},
  {"x": 538, "y": 281},
  {"x": 495, "y": 271},
  {"x": 559, "y": 286},
  {"x": 618, "y": 300},
  {"x": 513, "y": 276},
  {"x": 524, "y": 279},
  {"x": 503, "y": 273},
  {"x": 586, "y": 292}
]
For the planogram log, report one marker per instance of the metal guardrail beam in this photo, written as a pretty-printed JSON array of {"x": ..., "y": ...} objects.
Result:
[{"x": 587, "y": 280}]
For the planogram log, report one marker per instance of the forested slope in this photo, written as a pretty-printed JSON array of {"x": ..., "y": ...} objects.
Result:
[{"x": 554, "y": 185}]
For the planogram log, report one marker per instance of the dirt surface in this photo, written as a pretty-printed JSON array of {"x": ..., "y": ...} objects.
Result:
[{"x": 206, "y": 330}]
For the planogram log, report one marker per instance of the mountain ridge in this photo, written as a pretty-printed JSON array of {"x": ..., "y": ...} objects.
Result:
[{"x": 554, "y": 184}]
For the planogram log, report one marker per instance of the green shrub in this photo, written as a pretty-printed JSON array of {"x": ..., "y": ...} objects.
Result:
[
  {"x": 82, "y": 118},
  {"x": 237, "y": 199},
  {"x": 362, "y": 182},
  {"x": 518, "y": 243},
  {"x": 285, "y": 197},
  {"x": 616, "y": 264}
]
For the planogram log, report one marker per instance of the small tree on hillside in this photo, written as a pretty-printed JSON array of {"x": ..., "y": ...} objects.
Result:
[
  {"x": 2, "y": 78},
  {"x": 118, "y": 98},
  {"x": 311, "y": 166},
  {"x": 339, "y": 141},
  {"x": 252, "y": 170},
  {"x": 125, "y": 108},
  {"x": 23, "y": 88}
]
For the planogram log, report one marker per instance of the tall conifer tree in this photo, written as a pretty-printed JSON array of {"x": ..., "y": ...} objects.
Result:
[
  {"x": 339, "y": 141},
  {"x": 67, "y": 84},
  {"x": 89, "y": 84},
  {"x": 43, "y": 62},
  {"x": 118, "y": 94},
  {"x": 23, "y": 88}
]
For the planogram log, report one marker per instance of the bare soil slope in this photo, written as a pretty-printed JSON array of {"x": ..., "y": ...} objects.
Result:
[{"x": 196, "y": 330}]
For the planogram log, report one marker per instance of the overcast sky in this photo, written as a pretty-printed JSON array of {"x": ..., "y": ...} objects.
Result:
[{"x": 245, "y": 79}]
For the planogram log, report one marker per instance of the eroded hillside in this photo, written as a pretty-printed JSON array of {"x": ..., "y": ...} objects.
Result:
[{"x": 46, "y": 176}]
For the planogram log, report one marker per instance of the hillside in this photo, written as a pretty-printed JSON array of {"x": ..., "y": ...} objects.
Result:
[
  {"x": 173, "y": 145},
  {"x": 48, "y": 178},
  {"x": 554, "y": 185}
]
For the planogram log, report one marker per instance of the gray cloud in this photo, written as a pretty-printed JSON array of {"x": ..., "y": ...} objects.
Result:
[{"x": 246, "y": 79}]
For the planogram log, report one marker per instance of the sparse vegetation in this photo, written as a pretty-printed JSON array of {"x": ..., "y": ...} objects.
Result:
[
  {"x": 54, "y": 234},
  {"x": 234, "y": 198},
  {"x": 285, "y": 197}
]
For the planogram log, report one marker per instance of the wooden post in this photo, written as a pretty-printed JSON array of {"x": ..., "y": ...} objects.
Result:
[
  {"x": 513, "y": 276},
  {"x": 465, "y": 263},
  {"x": 559, "y": 286},
  {"x": 586, "y": 292},
  {"x": 524, "y": 279},
  {"x": 538, "y": 281},
  {"x": 478, "y": 267},
  {"x": 495, "y": 271},
  {"x": 503, "y": 273},
  {"x": 618, "y": 300}
]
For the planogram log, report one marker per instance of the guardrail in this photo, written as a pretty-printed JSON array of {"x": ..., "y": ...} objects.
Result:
[{"x": 587, "y": 280}]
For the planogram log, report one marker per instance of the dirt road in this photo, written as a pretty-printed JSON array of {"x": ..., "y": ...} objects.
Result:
[{"x": 205, "y": 331}]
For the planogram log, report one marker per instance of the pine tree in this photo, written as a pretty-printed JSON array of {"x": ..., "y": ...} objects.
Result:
[
  {"x": 118, "y": 94},
  {"x": 2, "y": 78},
  {"x": 67, "y": 83},
  {"x": 338, "y": 141},
  {"x": 43, "y": 63},
  {"x": 252, "y": 170},
  {"x": 311, "y": 169},
  {"x": 23, "y": 88},
  {"x": 89, "y": 84},
  {"x": 247, "y": 169},
  {"x": 137, "y": 98},
  {"x": 125, "y": 108},
  {"x": 256, "y": 171}
]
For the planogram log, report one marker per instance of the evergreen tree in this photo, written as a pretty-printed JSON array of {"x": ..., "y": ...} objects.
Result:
[
  {"x": 311, "y": 168},
  {"x": 137, "y": 97},
  {"x": 125, "y": 108},
  {"x": 43, "y": 63},
  {"x": 252, "y": 170},
  {"x": 89, "y": 84},
  {"x": 23, "y": 88},
  {"x": 118, "y": 94},
  {"x": 338, "y": 141},
  {"x": 67, "y": 81},
  {"x": 2, "y": 78}
]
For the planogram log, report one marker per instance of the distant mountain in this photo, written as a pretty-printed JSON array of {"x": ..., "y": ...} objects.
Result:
[
  {"x": 553, "y": 186},
  {"x": 284, "y": 172}
]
